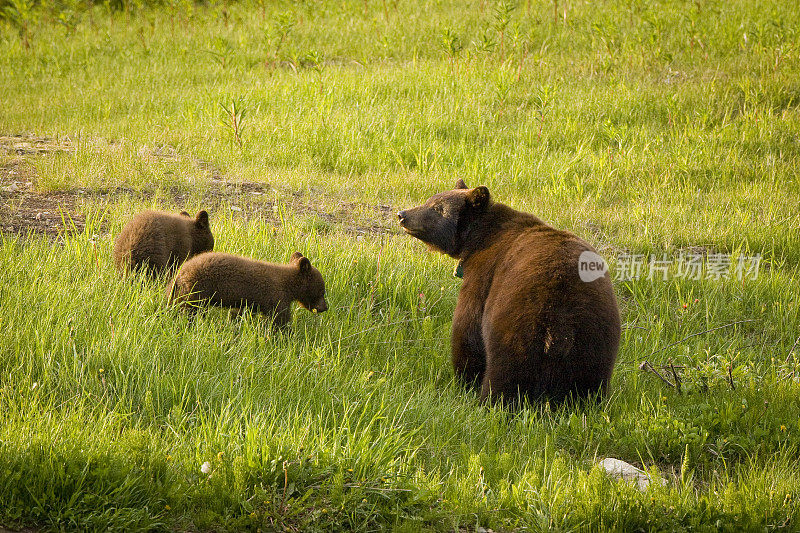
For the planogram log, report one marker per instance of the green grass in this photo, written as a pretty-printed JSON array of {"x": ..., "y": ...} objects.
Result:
[{"x": 648, "y": 128}]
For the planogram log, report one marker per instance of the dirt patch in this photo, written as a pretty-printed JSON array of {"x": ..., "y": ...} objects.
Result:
[
  {"x": 24, "y": 210},
  {"x": 269, "y": 203},
  {"x": 34, "y": 145},
  {"x": 265, "y": 202}
]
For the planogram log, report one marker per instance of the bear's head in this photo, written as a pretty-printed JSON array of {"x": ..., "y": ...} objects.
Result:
[
  {"x": 311, "y": 286},
  {"x": 442, "y": 221},
  {"x": 202, "y": 239}
]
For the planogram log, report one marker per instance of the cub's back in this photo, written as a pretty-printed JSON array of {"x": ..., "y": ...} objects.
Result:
[
  {"x": 152, "y": 237},
  {"x": 221, "y": 266},
  {"x": 224, "y": 277}
]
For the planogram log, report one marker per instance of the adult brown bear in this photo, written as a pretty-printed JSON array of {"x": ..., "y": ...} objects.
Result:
[{"x": 536, "y": 315}]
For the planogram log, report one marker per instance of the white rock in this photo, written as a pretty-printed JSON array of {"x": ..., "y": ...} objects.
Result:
[{"x": 628, "y": 472}]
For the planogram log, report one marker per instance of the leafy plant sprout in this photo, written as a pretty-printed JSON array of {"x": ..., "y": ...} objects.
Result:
[
  {"x": 69, "y": 15},
  {"x": 485, "y": 43},
  {"x": 281, "y": 28},
  {"x": 221, "y": 52},
  {"x": 233, "y": 119},
  {"x": 542, "y": 97},
  {"x": 21, "y": 15},
  {"x": 317, "y": 62},
  {"x": 503, "y": 80},
  {"x": 502, "y": 17},
  {"x": 452, "y": 45}
]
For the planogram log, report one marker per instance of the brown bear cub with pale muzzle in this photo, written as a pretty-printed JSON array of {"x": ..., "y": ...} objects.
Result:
[
  {"x": 536, "y": 316},
  {"x": 155, "y": 241},
  {"x": 232, "y": 281}
]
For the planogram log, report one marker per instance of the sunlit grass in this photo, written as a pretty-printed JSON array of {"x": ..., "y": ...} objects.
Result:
[{"x": 647, "y": 129}]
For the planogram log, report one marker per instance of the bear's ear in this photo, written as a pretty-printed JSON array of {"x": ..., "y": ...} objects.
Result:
[
  {"x": 460, "y": 184},
  {"x": 201, "y": 221},
  {"x": 304, "y": 264},
  {"x": 479, "y": 197},
  {"x": 185, "y": 214}
]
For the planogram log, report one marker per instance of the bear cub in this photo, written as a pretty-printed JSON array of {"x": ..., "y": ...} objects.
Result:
[
  {"x": 156, "y": 241},
  {"x": 526, "y": 324},
  {"x": 232, "y": 281}
]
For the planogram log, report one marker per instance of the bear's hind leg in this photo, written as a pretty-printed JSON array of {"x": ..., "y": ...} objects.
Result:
[
  {"x": 468, "y": 350},
  {"x": 469, "y": 359},
  {"x": 500, "y": 384}
]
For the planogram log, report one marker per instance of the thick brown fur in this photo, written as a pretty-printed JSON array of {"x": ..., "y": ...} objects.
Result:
[
  {"x": 525, "y": 324},
  {"x": 156, "y": 241},
  {"x": 232, "y": 281}
]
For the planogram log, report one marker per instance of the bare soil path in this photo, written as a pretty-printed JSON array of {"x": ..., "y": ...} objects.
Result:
[{"x": 24, "y": 210}]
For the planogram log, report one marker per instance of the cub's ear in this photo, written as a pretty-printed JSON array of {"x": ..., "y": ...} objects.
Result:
[
  {"x": 304, "y": 264},
  {"x": 201, "y": 221},
  {"x": 460, "y": 184},
  {"x": 185, "y": 214},
  {"x": 479, "y": 197}
]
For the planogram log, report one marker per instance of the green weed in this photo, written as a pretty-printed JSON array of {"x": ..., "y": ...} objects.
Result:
[{"x": 655, "y": 131}]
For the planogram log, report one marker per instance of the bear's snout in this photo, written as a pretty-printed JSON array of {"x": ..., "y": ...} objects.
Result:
[
  {"x": 320, "y": 307},
  {"x": 409, "y": 219}
]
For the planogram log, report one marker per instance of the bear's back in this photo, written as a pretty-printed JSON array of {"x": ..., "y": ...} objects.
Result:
[
  {"x": 153, "y": 239},
  {"x": 228, "y": 279},
  {"x": 568, "y": 328},
  {"x": 544, "y": 259}
]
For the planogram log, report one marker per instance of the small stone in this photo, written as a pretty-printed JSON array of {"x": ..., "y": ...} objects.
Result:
[
  {"x": 235, "y": 208},
  {"x": 628, "y": 472}
]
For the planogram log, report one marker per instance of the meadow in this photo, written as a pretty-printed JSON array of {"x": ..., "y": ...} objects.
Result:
[{"x": 655, "y": 130}]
